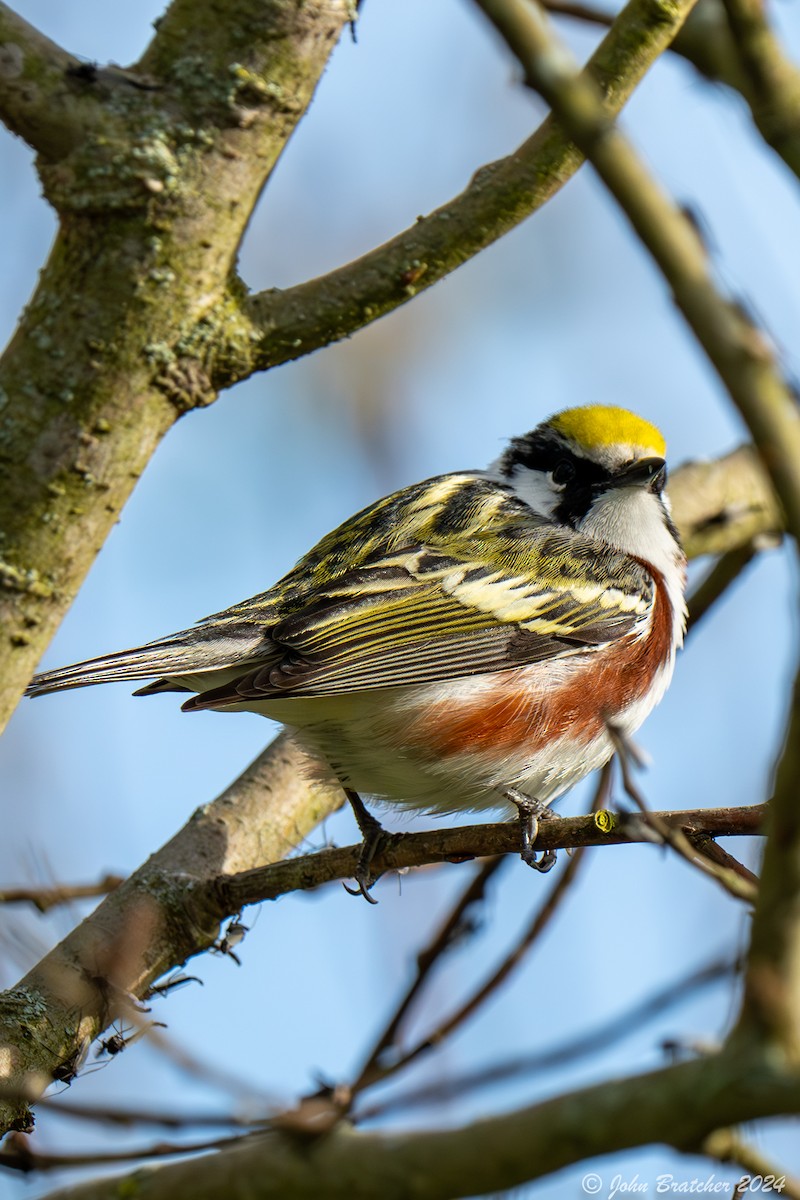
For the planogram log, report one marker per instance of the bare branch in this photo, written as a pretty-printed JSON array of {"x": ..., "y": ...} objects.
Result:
[
  {"x": 495, "y": 980},
  {"x": 469, "y": 841},
  {"x": 45, "y": 898},
  {"x": 593, "y": 1041},
  {"x": 724, "y": 504},
  {"x": 164, "y": 913},
  {"x": 732, "y": 880},
  {"x": 738, "y": 48},
  {"x": 709, "y": 849},
  {"x": 679, "y": 1105},
  {"x": 38, "y": 100},
  {"x": 451, "y": 929},
  {"x": 19, "y": 1155},
  {"x": 739, "y": 352},
  {"x": 276, "y": 326},
  {"x": 107, "y": 1114},
  {"x": 727, "y": 1146},
  {"x": 375, "y": 1070},
  {"x": 771, "y": 81}
]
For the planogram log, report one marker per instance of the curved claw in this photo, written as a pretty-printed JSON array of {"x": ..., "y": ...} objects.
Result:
[
  {"x": 361, "y": 890},
  {"x": 545, "y": 863}
]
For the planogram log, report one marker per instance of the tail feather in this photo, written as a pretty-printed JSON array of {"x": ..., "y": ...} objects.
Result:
[{"x": 188, "y": 654}]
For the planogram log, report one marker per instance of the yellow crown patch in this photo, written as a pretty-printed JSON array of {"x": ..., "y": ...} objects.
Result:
[{"x": 596, "y": 425}]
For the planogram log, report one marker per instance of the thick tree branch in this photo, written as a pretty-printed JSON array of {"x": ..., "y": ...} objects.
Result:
[
  {"x": 678, "y": 1106},
  {"x": 772, "y": 982},
  {"x": 153, "y": 201},
  {"x": 273, "y": 327},
  {"x": 163, "y": 914},
  {"x": 37, "y": 99},
  {"x": 725, "y": 504}
]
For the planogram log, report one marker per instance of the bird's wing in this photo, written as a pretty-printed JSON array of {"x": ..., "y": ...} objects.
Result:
[
  {"x": 451, "y": 577},
  {"x": 421, "y": 614}
]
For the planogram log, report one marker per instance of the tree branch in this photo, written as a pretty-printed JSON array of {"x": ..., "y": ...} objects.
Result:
[
  {"x": 595, "y": 1040},
  {"x": 739, "y": 352},
  {"x": 164, "y": 913},
  {"x": 677, "y": 1106},
  {"x": 45, "y": 898},
  {"x": 771, "y": 82},
  {"x": 241, "y": 831},
  {"x": 745, "y": 363},
  {"x": 405, "y": 850},
  {"x": 273, "y": 327},
  {"x": 737, "y": 48},
  {"x": 724, "y": 504},
  {"x": 727, "y": 1146},
  {"x": 153, "y": 202},
  {"x": 37, "y": 99}
]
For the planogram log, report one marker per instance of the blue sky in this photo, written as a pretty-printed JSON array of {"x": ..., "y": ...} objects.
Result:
[{"x": 565, "y": 310}]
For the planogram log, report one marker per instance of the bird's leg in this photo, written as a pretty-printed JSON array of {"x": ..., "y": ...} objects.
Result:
[
  {"x": 374, "y": 836},
  {"x": 531, "y": 811}
]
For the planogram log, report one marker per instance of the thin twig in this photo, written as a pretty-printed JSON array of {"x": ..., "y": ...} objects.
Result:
[
  {"x": 593, "y": 1041},
  {"x": 712, "y": 850},
  {"x": 530, "y": 936},
  {"x": 18, "y": 1155},
  {"x": 471, "y": 1005},
  {"x": 728, "y": 1147},
  {"x": 108, "y": 1114},
  {"x": 581, "y": 12},
  {"x": 525, "y": 943},
  {"x": 731, "y": 880},
  {"x": 45, "y": 898},
  {"x": 442, "y": 941},
  {"x": 725, "y": 571}
]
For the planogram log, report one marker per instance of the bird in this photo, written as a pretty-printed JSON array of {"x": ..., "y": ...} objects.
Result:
[{"x": 477, "y": 641}]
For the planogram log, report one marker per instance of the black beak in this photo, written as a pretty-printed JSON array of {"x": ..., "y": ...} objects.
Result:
[{"x": 645, "y": 472}]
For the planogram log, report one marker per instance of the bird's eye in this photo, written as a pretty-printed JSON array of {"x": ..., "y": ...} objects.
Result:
[{"x": 563, "y": 472}]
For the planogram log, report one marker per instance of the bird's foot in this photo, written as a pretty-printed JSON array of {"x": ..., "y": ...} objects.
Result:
[
  {"x": 531, "y": 811},
  {"x": 374, "y": 839}
]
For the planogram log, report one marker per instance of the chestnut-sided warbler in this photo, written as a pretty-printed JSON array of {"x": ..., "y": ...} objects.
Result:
[{"x": 468, "y": 642}]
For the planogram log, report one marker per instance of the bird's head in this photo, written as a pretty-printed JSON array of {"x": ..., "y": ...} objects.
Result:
[{"x": 600, "y": 470}]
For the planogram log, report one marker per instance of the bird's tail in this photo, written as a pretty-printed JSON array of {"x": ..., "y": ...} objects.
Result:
[{"x": 189, "y": 653}]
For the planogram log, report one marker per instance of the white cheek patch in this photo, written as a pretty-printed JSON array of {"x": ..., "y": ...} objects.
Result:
[{"x": 535, "y": 488}]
